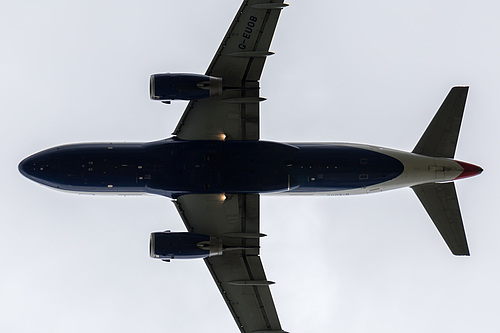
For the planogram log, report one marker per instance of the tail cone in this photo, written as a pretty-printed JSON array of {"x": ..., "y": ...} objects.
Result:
[{"x": 469, "y": 170}]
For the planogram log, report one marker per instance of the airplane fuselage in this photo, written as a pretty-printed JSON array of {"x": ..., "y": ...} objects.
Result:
[{"x": 173, "y": 167}]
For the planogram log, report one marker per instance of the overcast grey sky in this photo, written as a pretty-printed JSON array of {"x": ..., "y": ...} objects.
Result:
[{"x": 352, "y": 71}]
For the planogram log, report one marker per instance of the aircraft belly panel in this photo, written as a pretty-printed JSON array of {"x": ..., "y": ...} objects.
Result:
[{"x": 332, "y": 168}]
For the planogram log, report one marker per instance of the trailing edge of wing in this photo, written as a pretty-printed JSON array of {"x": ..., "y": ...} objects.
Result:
[
  {"x": 441, "y": 203},
  {"x": 239, "y": 61},
  {"x": 238, "y": 274}
]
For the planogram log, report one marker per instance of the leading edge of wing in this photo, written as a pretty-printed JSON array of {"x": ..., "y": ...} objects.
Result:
[
  {"x": 243, "y": 285},
  {"x": 238, "y": 273},
  {"x": 239, "y": 61},
  {"x": 243, "y": 50}
]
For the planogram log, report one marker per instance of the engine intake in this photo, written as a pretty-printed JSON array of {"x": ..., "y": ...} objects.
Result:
[
  {"x": 183, "y": 245},
  {"x": 170, "y": 86}
]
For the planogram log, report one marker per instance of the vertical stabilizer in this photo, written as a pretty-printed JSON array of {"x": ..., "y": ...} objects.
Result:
[
  {"x": 441, "y": 203},
  {"x": 441, "y": 136}
]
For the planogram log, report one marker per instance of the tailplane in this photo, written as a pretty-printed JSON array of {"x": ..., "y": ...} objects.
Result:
[
  {"x": 440, "y": 199},
  {"x": 441, "y": 136},
  {"x": 441, "y": 203}
]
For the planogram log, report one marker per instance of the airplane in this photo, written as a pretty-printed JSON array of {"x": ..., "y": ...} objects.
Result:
[{"x": 215, "y": 167}]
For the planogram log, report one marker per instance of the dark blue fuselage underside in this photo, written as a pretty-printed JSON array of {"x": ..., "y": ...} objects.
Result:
[{"x": 173, "y": 167}]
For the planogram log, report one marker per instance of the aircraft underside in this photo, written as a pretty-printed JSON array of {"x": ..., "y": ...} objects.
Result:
[
  {"x": 174, "y": 167},
  {"x": 216, "y": 166}
]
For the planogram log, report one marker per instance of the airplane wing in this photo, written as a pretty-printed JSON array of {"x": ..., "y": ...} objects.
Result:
[
  {"x": 238, "y": 273},
  {"x": 234, "y": 115}
]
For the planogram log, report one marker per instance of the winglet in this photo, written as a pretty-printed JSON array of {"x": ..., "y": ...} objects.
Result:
[{"x": 441, "y": 136}]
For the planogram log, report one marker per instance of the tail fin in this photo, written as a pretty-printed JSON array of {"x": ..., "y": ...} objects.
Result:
[
  {"x": 440, "y": 200},
  {"x": 441, "y": 136}
]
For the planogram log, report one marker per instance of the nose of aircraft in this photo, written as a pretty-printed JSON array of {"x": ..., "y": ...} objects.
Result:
[
  {"x": 469, "y": 170},
  {"x": 27, "y": 166},
  {"x": 35, "y": 167}
]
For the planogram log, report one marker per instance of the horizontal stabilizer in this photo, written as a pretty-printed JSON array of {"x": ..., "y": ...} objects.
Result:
[
  {"x": 441, "y": 136},
  {"x": 441, "y": 203}
]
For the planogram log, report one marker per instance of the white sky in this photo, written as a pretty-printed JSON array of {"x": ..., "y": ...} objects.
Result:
[{"x": 357, "y": 71}]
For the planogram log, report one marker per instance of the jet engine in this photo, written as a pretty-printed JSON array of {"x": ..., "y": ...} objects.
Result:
[
  {"x": 183, "y": 245},
  {"x": 170, "y": 86}
]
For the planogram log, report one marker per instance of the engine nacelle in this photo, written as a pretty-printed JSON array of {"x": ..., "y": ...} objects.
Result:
[
  {"x": 183, "y": 245},
  {"x": 170, "y": 86}
]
